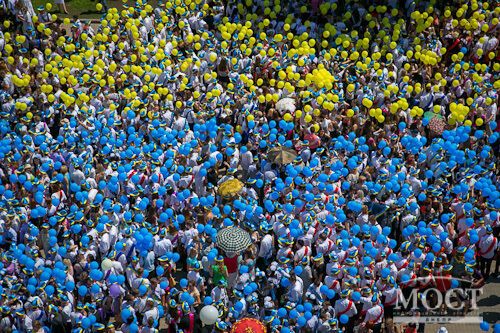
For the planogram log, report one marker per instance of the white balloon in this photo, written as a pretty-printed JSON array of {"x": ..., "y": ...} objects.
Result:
[
  {"x": 106, "y": 264},
  {"x": 209, "y": 314}
]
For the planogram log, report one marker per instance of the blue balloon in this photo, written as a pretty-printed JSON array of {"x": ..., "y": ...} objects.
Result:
[
  {"x": 82, "y": 291},
  {"x": 247, "y": 290},
  {"x": 344, "y": 319},
  {"x": 31, "y": 289},
  {"x": 70, "y": 286},
  {"x": 436, "y": 247},
  {"x": 282, "y": 312},
  {"x": 133, "y": 328},
  {"x": 238, "y": 306},
  {"x": 49, "y": 290},
  {"x": 323, "y": 289},
  {"x": 86, "y": 323},
  {"x": 484, "y": 326},
  {"x": 95, "y": 288},
  {"x": 143, "y": 289}
]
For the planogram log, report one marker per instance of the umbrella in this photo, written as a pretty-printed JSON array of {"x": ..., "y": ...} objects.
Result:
[
  {"x": 248, "y": 325},
  {"x": 233, "y": 239},
  {"x": 429, "y": 115},
  {"x": 230, "y": 187},
  {"x": 377, "y": 210},
  {"x": 437, "y": 125},
  {"x": 285, "y": 105},
  {"x": 281, "y": 155}
]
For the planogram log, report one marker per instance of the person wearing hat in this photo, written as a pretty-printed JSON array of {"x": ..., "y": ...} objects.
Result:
[
  {"x": 219, "y": 292},
  {"x": 302, "y": 251},
  {"x": 266, "y": 246},
  {"x": 151, "y": 313},
  {"x": 345, "y": 306},
  {"x": 7, "y": 320},
  {"x": 487, "y": 248},
  {"x": 390, "y": 296},
  {"x": 324, "y": 243},
  {"x": 374, "y": 315},
  {"x": 296, "y": 288},
  {"x": 219, "y": 271}
]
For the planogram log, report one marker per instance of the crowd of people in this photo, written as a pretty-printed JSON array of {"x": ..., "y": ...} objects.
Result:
[{"x": 364, "y": 136}]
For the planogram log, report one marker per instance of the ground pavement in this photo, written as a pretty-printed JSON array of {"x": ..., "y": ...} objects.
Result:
[{"x": 489, "y": 308}]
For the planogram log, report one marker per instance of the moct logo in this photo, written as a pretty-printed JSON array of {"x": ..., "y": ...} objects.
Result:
[{"x": 443, "y": 300}]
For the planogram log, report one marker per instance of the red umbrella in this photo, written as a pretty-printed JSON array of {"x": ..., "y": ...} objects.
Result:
[{"x": 248, "y": 325}]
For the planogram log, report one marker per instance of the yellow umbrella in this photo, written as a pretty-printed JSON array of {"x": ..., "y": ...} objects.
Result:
[{"x": 230, "y": 187}]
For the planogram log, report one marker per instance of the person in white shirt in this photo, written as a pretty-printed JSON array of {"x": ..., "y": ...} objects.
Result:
[
  {"x": 488, "y": 245},
  {"x": 265, "y": 250},
  {"x": 151, "y": 312},
  {"x": 296, "y": 289},
  {"x": 345, "y": 306},
  {"x": 374, "y": 315}
]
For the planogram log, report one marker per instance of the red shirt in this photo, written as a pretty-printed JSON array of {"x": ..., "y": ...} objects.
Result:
[
  {"x": 231, "y": 264},
  {"x": 443, "y": 281},
  {"x": 314, "y": 140}
]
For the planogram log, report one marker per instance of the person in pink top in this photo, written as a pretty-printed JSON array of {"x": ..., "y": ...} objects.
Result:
[{"x": 314, "y": 140}]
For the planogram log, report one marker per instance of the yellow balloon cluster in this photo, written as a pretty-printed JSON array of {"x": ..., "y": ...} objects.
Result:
[
  {"x": 459, "y": 113},
  {"x": 321, "y": 78}
]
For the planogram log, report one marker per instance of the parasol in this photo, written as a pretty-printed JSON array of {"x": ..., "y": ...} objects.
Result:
[
  {"x": 378, "y": 211},
  {"x": 281, "y": 155},
  {"x": 233, "y": 239},
  {"x": 429, "y": 115},
  {"x": 248, "y": 325},
  {"x": 437, "y": 125},
  {"x": 230, "y": 187},
  {"x": 286, "y": 105}
]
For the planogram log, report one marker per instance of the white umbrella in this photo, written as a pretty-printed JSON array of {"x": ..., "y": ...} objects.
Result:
[{"x": 285, "y": 105}]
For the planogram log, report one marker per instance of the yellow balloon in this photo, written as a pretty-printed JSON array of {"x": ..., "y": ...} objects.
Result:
[
  {"x": 367, "y": 103},
  {"x": 479, "y": 121}
]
